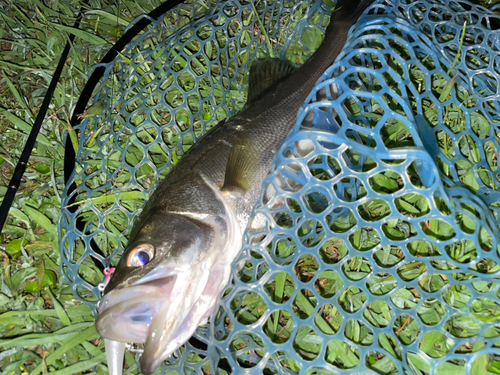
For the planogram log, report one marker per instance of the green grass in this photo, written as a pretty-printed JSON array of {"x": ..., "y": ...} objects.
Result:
[{"x": 44, "y": 329}]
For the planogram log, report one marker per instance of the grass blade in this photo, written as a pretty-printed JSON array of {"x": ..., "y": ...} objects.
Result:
[
  {"x": 81, "y": 366},
  {"x": 16, "y": 94},
  {"x": 131, "y": 195},
  {"x": 113, "y": 18},
  {"x": 25, "y": 127},
  {"x": 65, "y": 347},
  {"x": 88, "y": 37},
  {"x": 13, "y": 315},
  {"x": 61, "y": 313},
  {"x": 459, "y": 52},
  {"x": 40, "y": 219},
  {"x": 447, "y": 88},
  {"x": 33, "y": 339},
  {"x": 263, "y": 30},
  {"x": 73, "y": 137}
]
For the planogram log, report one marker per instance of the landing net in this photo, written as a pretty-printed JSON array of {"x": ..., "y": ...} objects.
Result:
[{"x": 381, "y": 249}]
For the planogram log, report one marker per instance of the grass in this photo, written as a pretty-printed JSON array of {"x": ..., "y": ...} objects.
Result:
[{"x": 43, "y": 328}]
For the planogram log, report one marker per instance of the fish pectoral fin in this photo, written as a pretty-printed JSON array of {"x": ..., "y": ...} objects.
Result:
[
  {"x": 264, "y": 73},
  {"x": 242, "y": 166}
]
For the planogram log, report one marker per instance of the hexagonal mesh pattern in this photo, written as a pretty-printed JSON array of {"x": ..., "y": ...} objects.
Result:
[
  {"x": 180, "y": 77},
  {"x": 381, "y": 252},
  {"x": 381, "y": 249}
]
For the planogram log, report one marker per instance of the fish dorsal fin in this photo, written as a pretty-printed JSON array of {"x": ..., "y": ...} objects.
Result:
[
  {"x": 264, "y": 73},
  {"x": 243, "y": 165}
]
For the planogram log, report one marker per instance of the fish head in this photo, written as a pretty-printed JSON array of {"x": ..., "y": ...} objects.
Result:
[
  {"x": 166, "y": 240},
  {"x": 165, "y": 284}
]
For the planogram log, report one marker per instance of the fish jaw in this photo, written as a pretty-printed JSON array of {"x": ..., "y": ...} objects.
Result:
[
  {"x": 125, "y": 315},
  {"x": 175, "y": 323},
  {"x": 164, "y": 313}
]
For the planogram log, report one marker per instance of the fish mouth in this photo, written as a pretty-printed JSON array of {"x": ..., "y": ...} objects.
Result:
[
  {"x": 160, "y": 312},
  {"x": 125, "y": 315}
]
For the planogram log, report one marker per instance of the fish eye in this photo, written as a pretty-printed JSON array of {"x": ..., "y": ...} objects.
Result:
[{"x": 141, "y": 255}]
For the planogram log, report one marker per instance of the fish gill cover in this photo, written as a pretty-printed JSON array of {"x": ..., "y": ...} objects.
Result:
[{"x": 381, "y": 249}]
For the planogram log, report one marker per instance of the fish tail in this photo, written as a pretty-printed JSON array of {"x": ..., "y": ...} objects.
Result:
[{"x": 349, "y": 10}]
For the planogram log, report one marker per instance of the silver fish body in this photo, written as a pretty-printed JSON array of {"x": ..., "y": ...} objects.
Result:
[{"x": 179, "y": 256}]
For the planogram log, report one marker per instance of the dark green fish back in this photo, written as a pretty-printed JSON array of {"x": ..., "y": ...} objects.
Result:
[{"x": 266, "y": 121}]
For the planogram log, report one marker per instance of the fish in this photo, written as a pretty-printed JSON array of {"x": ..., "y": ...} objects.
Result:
[{"x": 182, "y": 245}]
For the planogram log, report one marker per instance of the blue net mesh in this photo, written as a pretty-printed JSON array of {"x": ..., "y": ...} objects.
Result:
[
  {"x": 381, "y": 249},
  {"x": 180, "y": 77}
]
